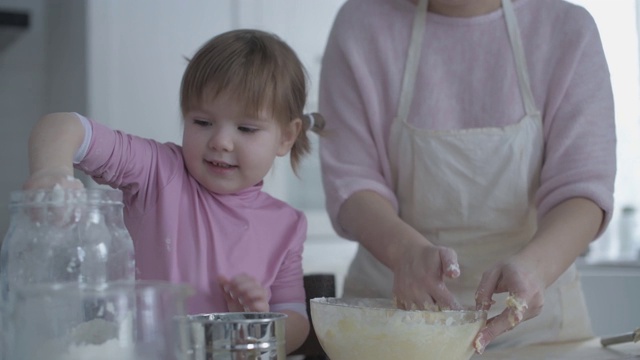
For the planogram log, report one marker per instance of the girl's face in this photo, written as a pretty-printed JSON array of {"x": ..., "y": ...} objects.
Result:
[{"x": 227, "y": 151}]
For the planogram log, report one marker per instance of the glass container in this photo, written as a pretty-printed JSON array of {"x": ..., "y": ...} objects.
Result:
[{"x": 63, "y": 236}]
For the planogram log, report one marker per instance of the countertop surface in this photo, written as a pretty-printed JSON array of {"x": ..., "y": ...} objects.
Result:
[{"x": 585, "y": 350}]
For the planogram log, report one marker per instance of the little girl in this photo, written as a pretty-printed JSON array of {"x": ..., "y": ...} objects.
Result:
[{"x": 197, "y": 213}]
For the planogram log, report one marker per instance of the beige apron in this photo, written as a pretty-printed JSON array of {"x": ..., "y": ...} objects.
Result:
[{"x": 472, "y": 190}]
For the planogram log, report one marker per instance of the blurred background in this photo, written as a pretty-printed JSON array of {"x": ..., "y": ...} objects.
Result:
[{"x": 120, "y": 62}]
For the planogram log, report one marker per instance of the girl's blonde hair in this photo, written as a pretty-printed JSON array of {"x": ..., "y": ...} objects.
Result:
[{"x": 257, "y": 69}]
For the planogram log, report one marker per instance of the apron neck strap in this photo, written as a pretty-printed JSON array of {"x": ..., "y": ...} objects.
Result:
[
  {"x": 413, "y": 58},
  {"x": 518, "y": 54},
  {"x": 415, "y": 47}
]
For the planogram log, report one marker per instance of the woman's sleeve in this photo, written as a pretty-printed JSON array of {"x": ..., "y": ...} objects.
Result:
[
  {"x": 580, "y": 147},
  {"x": 353, "y": 150}
]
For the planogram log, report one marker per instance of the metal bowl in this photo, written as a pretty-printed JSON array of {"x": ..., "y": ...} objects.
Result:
[
  {"x": 234, "y": 336},
  {"x": 375, "y": 329}
]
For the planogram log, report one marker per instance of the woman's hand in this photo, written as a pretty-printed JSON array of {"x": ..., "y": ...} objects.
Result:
[
  {"x": 419, "y": 278},
  {"x": 244, "y": 293},
  {"x": 525, "y": 300}
]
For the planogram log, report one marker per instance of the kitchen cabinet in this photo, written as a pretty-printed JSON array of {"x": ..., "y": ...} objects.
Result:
[
  {"x": 612, "y": 292},
  {"x": 12, "y": 24}
]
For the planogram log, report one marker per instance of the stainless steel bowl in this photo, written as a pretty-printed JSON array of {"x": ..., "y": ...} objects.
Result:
[
  {"x": 374, "y": 329},
  {"x": 236, "y": 336}
]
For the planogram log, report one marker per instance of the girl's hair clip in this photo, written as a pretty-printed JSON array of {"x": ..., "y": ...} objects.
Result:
[{"x": 314, "y": 122}]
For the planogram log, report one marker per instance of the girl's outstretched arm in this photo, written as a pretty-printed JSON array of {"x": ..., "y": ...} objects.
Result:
[{"x": 53, "y": 143}]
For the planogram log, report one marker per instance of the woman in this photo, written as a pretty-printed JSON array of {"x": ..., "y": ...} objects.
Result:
[{"x": 470, "y": 151}]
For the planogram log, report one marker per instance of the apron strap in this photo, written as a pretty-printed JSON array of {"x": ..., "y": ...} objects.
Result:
[
  {"x": 413, "y": 58},
  {"x": 518, "y": 54}
]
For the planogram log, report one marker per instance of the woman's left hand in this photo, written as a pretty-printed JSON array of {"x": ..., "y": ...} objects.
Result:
[
  {"x": 525, "y": 300},
  {"x": 244, "y": 293}
]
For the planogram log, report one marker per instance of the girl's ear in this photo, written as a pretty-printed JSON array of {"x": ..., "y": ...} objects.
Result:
[{"x": 289, "y": 136}]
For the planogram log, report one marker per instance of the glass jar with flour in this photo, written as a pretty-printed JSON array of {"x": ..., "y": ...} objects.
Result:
[
  {"x": 61, "y": 235},
  {"x": 65, "y": 235}
]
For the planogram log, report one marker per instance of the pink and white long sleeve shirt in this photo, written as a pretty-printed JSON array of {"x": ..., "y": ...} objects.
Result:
[
  {"x": 467, "y": 79},
  {"x": 184, "y": 233}
]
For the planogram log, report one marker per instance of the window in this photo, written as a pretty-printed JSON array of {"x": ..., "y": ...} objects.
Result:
[{"x": 618, "y": 26}]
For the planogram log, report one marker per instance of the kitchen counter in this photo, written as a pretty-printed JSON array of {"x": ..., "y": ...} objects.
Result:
[{"x": 585, "y": 350}]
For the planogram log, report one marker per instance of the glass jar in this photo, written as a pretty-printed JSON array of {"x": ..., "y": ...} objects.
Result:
[{"x": 65, "y": 235}]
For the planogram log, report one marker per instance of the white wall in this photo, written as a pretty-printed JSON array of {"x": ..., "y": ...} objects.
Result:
[
  {"x": 23, "y": 70},
  {"x": 136, "y": 57},
  {"x": 66, "y": 49}
]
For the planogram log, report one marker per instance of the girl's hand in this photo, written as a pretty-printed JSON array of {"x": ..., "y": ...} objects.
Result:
[
  {"x": 61, "y": 179},
  {"x": 53, "y": 177},
  {"x": 525, "y": 300},
  {"x": 419, "y": 278},
  {"x": 244, "y": 294}
]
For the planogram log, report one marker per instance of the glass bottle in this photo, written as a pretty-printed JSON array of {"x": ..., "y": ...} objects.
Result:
[{"x": 65, "y": 235}]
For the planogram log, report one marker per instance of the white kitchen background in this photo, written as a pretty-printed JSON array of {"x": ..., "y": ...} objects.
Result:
[{"x": 121, "y": 62}]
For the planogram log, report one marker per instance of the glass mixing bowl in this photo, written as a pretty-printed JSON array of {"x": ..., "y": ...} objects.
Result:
[{"x": 374, "y": 329}]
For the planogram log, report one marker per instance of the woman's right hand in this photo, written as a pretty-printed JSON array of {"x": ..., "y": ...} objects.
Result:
[
  {"x": 419, "y": 278},
  {"x": 419, "y": 267}
]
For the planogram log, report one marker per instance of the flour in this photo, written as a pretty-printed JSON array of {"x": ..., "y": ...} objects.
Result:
[
  {"x": 97, "y": 339},
  {"x": 454, "y": 269},
  {"x": 57, "y": 197},
  {"x": 517, "y": 308},
  {"x": 96, "y": 331},
  {"x": 108, "y": 350},
  {"x": 477, "y": 345}
]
